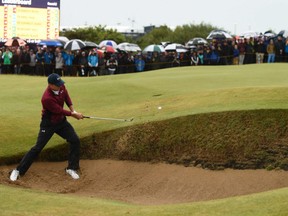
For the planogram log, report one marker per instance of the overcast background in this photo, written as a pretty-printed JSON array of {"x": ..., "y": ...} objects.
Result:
[{"x": 234, "y": 16}]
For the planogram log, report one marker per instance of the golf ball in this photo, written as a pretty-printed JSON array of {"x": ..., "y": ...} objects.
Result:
[{"x": 159, "y": 107}]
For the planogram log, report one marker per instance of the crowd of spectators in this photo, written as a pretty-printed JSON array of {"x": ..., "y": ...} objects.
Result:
[{"x": 44, "y": 60}]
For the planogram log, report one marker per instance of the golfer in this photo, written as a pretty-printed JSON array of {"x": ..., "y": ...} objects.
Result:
[{"x": 54, "y": 121}]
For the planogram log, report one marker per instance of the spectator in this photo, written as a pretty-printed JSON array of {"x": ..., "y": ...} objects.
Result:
[
  {"x": 201, "y": 56},
  {"x": 48, "y": 61},
  {"x": 40, "y": 62},
  {"x": 17, "y": 61},
  {"x": 7, "y": 58},
  {"x": 279, "y": 49},
  {"x": 286, "y": 50},
  {"x": 129, "y": 63},
  {"x": 213, "y": 56},
  {"x": 271, "y": 51},
  {"x": 242, "y": 51},
  {"x": 236, "y": 54},
  {"x": 249, "y": 52},
  {"x": 68, "y": 62},
  {"x": 194, "y": 59},
  {"x": 83, "y": 63},
  {"x": 260, "y": 51},
  {"x": 112, "y": 65},
  {"x": 59, "y": 62},
  {"x": 25, "y": 60},
  {"x": 139, "y": 63},
  {"x": 93, "y": 63},
  {"x": 226, "y": 53},
  {"x": 32, "y": 63},
  {"x": 175, "y": 57}
]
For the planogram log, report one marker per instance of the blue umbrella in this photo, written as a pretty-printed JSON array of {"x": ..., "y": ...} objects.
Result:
[{"x": 51, "y": 43}]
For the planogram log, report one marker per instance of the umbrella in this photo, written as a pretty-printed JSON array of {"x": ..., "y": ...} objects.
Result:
[
  {"x": 74, "y": 44},
  {"x": 15, "y": 42},
  {"x": 250, "y": 34},
  {"x": 176, "y": 47},
  {"x": 108, "y": 49},
  {"x": 154, "y": 48},
  {"x": 51, "y": 43},
  {"x": 196, "y": 41},
  {"x": 129, "y": 47},
  {"x": 283, "y": 33},
  {"x": 218, "y": 34},
  {"x": 89, "y": 44},
  {"x": 63, "y": 39},
  {"x": 108, "y": 43}
]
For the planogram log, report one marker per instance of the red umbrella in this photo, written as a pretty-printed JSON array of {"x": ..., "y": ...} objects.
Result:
[
  {"x": 108, "y": 49},
  {"x": 99, "y": 52},
  {"x": 15, "y": 42}
]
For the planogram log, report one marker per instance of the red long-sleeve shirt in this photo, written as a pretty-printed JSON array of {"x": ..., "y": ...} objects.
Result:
[{"x": 53, "y": 105}]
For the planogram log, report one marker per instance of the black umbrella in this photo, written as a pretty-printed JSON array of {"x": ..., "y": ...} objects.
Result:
[
  {"x": 283, "y": 33},
  {"x": 218, "y": 34}
]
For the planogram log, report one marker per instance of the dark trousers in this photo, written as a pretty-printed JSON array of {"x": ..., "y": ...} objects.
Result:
[{"x": 64, "y": 130}]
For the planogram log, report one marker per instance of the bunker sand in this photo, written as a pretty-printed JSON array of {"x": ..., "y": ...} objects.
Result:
[{"x": 146, "y": 183}]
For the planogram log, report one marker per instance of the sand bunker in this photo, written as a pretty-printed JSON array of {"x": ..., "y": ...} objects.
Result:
[{"x": 146, "y": 183}]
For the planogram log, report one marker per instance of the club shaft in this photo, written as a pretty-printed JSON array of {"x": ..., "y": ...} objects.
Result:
[{"x": 108, "y": 119}]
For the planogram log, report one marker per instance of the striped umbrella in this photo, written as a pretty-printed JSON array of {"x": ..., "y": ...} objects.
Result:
[
  {"x": 196, "y": 41},
  {"x": 74, "y": 44},
  {"x": 218, "y": 34}
]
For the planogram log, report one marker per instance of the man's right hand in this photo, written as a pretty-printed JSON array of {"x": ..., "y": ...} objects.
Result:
[{"x": 77, "y": 115}]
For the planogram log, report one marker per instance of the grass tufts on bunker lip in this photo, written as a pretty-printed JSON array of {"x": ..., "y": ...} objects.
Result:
[{"x": 252, "y": 139}]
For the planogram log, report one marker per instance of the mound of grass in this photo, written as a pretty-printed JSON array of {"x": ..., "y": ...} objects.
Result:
[{"x": 236, "y": 139}]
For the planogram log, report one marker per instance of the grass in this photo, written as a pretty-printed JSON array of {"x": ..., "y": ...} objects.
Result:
[
  {"x": 27, "y": 202},
  {"x": 179, "y": 91}
]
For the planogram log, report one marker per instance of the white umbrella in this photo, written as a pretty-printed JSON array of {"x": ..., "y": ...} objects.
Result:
[
  {"x": 154, "y": 48},
  {"x": 129, "y": 47},
  {"x": 250, "y": 34},
  {"x": 74, "y": 44},
  {"x": 218, "y": 34},
  {"x": 108, "y": 43},
  {"x": 176, "y": 47}
]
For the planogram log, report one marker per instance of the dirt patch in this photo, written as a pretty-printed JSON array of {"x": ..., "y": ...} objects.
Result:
[{"x": 146, "y": 183}]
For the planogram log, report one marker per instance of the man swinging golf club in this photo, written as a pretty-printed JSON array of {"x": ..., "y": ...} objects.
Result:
[{"x": 54, "y": 121}]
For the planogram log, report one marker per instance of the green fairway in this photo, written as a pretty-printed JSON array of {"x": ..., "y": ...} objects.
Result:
[{"x": 179, "y": 91}]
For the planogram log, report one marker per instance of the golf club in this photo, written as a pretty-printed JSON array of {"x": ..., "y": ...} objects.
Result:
[{"x": 109, "y": 119}]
